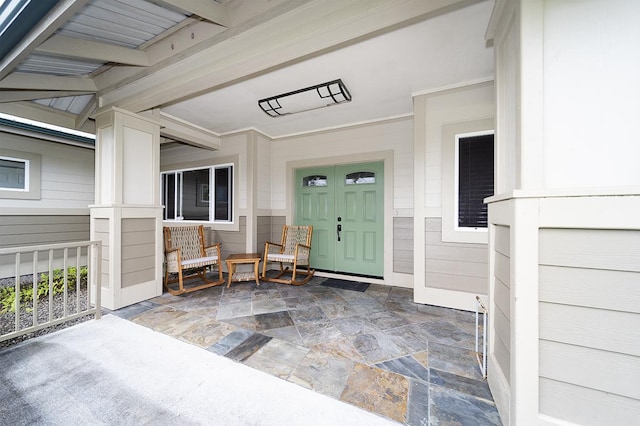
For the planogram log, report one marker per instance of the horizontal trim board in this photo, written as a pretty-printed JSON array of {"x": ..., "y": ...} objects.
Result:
[
  {"x": 591, "y": 248},
  {"x": 592, "y": 368},
  {"x": 580, "y": 405},
  {"x": 595, "y": 288},
  {"x": 596, "y": 328}
]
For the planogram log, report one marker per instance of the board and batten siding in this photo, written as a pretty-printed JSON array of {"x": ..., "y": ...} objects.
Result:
[
  {"x": 454, "y": 266},
  {"x": 502, "y": 314},
  {"x": 589, "y": 317},
  {"x": 138, "y": 251},
  {"x": 403, "y": 245}
]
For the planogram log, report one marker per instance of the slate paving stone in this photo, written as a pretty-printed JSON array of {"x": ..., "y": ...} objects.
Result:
[
  {"x": 454, "y": 360},
  {"x": 477, "y": 388},
  {"x": 407, "y": 366},
  {"x": 377, "y": 390},
  {"x": 318, "y": 332},
  {"x": 207, "y": 332},
  {"x": 135, "y": 310},
  {"x": 230, "y": 341},
  {"x": 322, "y": 372},
  {"x": 374, "y": 349},
  {"x": 449, "y": 406},
  {"x": 310, "y": 314},
  {"x": 418, "y": 406},
  {"x": 277, "y": 357},
  {"x": 235, "y": 309}
]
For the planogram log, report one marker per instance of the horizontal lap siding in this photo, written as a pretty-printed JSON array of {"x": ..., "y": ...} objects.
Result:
[
  {"x": 403, "y": 245},
  {"x": 16, "y": 231},
  {"x": 589, "y": 317},
  {"x": 231, "y": 241},
  {"x": 138, "y": 251},
  {"x": 454, "y": 266},
  {"x": 502, "y": 316}
]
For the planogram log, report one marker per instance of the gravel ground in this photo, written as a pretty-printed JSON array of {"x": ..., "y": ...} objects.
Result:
[{"x": 7, "y": 320}]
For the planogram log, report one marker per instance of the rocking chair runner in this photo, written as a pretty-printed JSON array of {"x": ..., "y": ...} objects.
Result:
[
  {"x": 295, "y": 250},
  {"x": 185, "y": 250}
]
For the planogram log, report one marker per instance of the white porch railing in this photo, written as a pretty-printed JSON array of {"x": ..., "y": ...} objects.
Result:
[{"x": 59, "y": 259}]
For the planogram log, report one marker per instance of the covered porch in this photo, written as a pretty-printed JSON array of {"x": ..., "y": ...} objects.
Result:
[{"x": 373, "y": 349}]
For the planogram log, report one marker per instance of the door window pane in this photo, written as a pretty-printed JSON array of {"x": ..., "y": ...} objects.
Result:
[
  {"x": 315, "y": 180},
  {"x": 357, "y": 178}
]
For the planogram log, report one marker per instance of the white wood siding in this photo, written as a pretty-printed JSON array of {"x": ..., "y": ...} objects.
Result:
[
  {"x": 403, "y": 245},
  {"x": 66, "y": 175},
  {"x": 454, "y": 266},
  {"x": 589, "y": 316},
  {"x": 138, "y": 251},
  {"x": 502, "y": 294},
  {"x": 349, "y": 143}
]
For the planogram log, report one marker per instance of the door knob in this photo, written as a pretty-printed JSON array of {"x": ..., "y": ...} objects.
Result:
[{"x": 339, "y": 229}]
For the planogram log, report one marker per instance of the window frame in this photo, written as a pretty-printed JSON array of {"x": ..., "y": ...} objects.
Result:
[
  {"x": 178, "y": 173},
  {"x": 32, "y": 175},
  {"x": 451, "y": 135}
]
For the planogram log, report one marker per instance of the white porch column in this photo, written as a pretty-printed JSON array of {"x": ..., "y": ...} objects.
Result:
[{"x": 127, "y": 216}]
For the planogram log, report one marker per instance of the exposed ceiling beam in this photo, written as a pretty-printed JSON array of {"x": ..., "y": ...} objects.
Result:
[
  {"x": 86, "y": 49},
  {"x": 38, "y": 112},
  {"x": 83, "y": 117},
  {"x": 60, "y": 14},
  {"x": 46, "y": 82},
  {"x": 29, "y": 95},
  {"x": 209, "y": 10},
  {"x": 183, "y": 131},
  {"x": 309, "y": 29}
]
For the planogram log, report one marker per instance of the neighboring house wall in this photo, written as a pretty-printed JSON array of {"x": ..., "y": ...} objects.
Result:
[
  {"x": 450, "y": 267},
  {"x": 66, "y": 177},
  {"x": 60, "y": 213}
]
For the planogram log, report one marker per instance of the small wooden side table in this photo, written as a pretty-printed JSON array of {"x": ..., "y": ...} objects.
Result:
[{"x": 242, "y": 258}]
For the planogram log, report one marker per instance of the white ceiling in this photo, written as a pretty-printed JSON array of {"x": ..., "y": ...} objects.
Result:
[{"x": 381, "y": 73}]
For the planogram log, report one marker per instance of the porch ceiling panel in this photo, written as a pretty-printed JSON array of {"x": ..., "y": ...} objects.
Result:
[
  {"x": 52, "y": 65},
  {"x": 129, "y": 23}
]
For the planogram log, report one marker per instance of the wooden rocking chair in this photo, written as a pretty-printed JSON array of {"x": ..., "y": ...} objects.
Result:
[
  {"x": 294, "y": 250},
  {"x": 185, "y": 250}
]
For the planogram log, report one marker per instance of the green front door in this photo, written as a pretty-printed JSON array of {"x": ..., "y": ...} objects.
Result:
[{"x": 345, "y": 206}]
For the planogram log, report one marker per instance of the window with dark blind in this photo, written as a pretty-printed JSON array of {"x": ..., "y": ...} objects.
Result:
[{"x": 475, "y": 179}]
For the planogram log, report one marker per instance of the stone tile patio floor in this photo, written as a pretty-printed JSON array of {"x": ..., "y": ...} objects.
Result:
[{"x": 376, "y": 349}]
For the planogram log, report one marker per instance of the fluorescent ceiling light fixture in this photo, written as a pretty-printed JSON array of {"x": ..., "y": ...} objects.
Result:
[{"x": 319, "y": 96}]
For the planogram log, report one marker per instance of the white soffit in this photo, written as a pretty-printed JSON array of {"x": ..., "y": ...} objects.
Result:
[{"x": 381, "y": 73}]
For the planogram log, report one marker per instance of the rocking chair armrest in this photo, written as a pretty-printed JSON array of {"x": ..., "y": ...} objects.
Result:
[
  {"x": 268, "y": 247},
  {"x": 213, "y": 250},
  {"x": 172, "y": 257}
]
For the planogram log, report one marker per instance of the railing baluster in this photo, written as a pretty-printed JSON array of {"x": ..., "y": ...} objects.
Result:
[
  {"x": 50, "y": 284},
  {"x": 35, "y": 287},
  {"x": 66, "y": 281},
  {"x": 17, "y": 293},
  {"x": 78, "y": 254},
  {"x": 93, "y": 263}
]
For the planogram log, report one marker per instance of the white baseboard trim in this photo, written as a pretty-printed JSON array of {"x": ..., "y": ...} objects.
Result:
[
  {"x": 450, "y": 298},
  {"x": 499, "y": 388}
]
